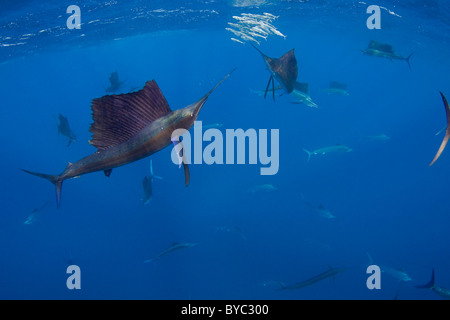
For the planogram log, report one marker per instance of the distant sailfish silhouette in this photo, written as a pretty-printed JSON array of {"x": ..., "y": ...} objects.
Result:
[
  {"x": 64, "y": 129},
  {"x": 175, "y": 246},
  {"x": 447, "y": 132},
  {"x": 147, "y": 185},
  {"x": 337, "y": 88},
  {"x": 331, "y": 272},
  {"x": 377, "y": 49},
  {"x": 130, "y": 127},
  {"x": 116, "y": 84},
  {"x": 284, "y": 69}
]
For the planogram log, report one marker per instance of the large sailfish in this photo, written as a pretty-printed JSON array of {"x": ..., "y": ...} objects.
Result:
[
  {"x": 130, "y": 127},
  {"x": 283, "y": 69}
]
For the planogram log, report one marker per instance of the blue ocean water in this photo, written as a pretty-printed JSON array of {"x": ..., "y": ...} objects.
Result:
[{"x": 389, "y": 207}]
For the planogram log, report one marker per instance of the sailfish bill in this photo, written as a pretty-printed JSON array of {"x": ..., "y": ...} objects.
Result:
[
  {"x": 129, "y": 127},
  {"x": 447, "y": 133},
  {"x": 283, "y": 69}
]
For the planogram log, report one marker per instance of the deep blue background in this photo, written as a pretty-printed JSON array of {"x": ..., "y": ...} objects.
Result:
[{"x": 386, "y": 199}]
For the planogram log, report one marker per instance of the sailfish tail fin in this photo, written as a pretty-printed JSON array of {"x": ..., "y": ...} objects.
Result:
[
  {"x": 309, "y": 154},
  {"x": 55, "y": 179},
  {"x": 430, "y": 284},
  {"x": 407, "y": 60},
  {"x": 282, "y": 286}
]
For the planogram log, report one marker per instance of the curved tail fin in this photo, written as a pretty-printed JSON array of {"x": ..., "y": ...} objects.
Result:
[
  {"x": 309, "y": 154},
  {"x": 430, "y": 284},
  {"x": 282, "y": 286},
  {"x": 55, "y": 179},
  {"x": 407, "y": 60},
  {"x": 447, "y": 133},
  {"x": 152, "y": 175}
]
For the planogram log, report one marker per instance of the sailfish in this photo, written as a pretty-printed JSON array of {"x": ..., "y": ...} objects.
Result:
[
  {"x": 331, "y": 272},
  {"x": 147, "y": 185},
  {"x": 64, "y": 129},
  {"x": 129, "y": 127},
  {"x": 116, "y": 84},
  {"x": 447, "y": 132},
  {"x": 284, "y": 70},
  {"x": 377, "y": 49}
]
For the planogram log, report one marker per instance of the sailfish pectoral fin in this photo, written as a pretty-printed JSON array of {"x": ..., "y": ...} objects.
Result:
[
  {"x": 107, "y": 172},
  {"x": 273, "y": 89},
  {"x": 447, "y": 133},
  {"x": 186, "y": 174},
  {"x": 186, "y": 169},
  {"x": 268, "y": 85}
]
